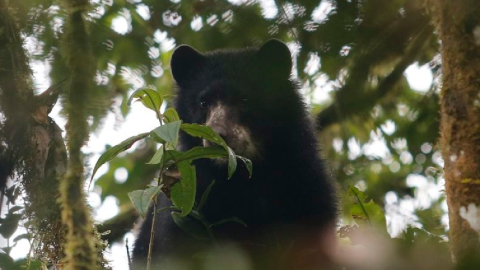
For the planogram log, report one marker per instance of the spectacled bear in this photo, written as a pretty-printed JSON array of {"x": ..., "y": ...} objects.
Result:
[{"x": 249, "y": 97}]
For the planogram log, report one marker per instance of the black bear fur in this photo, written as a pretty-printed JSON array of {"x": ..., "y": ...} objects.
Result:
[{"x": 290, "y": 195}]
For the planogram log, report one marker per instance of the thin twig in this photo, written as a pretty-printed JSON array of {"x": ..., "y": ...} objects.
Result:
[
  {"x": 152, "y": 235},
  {"x": 128, "y": 255},
  {"x": 154, "y": 217}
]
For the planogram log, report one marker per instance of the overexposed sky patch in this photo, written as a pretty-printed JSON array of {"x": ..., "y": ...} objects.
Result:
[
  {"x": 321, "y": 13},
  {"x": 122, "y": 24},
  {"x": 143, "y": 11},
  {"x": 419, "y": 78},
  {"x": 269, "y": 9}
]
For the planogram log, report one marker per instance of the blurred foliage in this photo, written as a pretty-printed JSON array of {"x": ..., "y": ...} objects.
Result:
[{"x": 376, "y": 131}]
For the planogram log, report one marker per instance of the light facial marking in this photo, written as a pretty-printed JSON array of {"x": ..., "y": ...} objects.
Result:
[
  {"x": 237, "y": 136},
  {"x": 217, "y": 119}
]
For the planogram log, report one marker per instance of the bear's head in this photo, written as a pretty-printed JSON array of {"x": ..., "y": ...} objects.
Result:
[{"x": 246, "y": 96}]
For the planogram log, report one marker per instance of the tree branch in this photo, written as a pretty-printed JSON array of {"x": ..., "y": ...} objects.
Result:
[{"x": 352, "y": 100}]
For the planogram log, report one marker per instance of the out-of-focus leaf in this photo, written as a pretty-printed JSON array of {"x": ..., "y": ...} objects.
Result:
[
  {"x": 232, "y": 219},
  {"x": 364, "y": 211},
  {"x": 191, "y": 226},
  {"x": 6, "y": 262},
  {"x": 205, "y": 194},
  {"x": 15, "y": 209},
  {"x": 9, "y": 224},
  {"x": 21, "y": 236},
  {"x": 27, "y": 264}
]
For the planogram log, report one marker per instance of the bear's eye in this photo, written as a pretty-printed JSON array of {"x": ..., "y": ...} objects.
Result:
[{"x": 203, "y": 104}]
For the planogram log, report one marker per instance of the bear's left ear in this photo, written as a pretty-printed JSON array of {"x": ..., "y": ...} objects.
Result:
[
  {"x": 275, "y": 56},
  {"x": 185, "y": 62}
]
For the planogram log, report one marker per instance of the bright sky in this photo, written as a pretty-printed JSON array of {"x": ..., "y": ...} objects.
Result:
[{"x": 114, "y": 130}]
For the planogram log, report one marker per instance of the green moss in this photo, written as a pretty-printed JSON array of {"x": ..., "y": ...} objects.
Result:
[
  {"x": 83, "y": 247},
  {"x": 471, "y": 181}
]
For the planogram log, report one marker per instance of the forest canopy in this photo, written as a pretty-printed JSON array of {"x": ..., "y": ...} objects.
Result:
[{"x": 358, "y": 61}]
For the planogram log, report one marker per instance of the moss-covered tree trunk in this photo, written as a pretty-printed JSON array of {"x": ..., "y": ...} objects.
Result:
[
  {"x": 33, "y": 151},
  {"x": 459, "y": 28},
  {"x": 82, "y": 245}
]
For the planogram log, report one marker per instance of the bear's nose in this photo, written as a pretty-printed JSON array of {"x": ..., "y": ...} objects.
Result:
[
  {"x": 220, "y": 129},
  {"x": 218, "y": 120}
]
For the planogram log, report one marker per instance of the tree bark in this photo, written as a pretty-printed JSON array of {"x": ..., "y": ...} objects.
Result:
[{"x": 459, "y": 28}]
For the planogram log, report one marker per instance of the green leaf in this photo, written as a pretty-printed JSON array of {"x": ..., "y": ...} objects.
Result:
[
  {"x": 21, "y": 236},
  {"x": 248, "y": 164},
  {"x": 157, "y": 157},
  {"x": 156, "y": 138},
  {"x": 232, "y": 162},
  {"x": 183, "y": 192},
  {"x": 364, "y": 211},
  {"x": 191, "y": 226},
  {"x": 9, "y": 224},
  {"x": 15, "y": 209},
  {"x": 27, "y": 264},
  {"x": 114, "y": 151},
  {"x": 168, "y": 132},
  {"x": 6, "y": 261},
  {"x": 196, "y": 153},
  {"x": 149, "y": 98},
  {"x": 207, "y": 133},
  {"x": 232, "y": 219},
  {"x": 203, "y": 132},
  {"x": 141, "y": 199},
  {"x": 205, "y": 194},
  {"x": 170, "y": 115},
  {"x": 6, "y": 250}
]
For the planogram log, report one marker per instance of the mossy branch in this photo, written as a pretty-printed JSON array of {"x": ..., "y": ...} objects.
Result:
[{"x": 82, "y": 241}]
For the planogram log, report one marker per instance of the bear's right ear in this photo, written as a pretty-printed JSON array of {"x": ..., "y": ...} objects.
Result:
[
  {"x": 185, "y": 62},
  {"x": 275, "y": 58}
]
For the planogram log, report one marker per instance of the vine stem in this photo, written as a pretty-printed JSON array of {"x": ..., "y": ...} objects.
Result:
[
  {"x": 154, "y": 199},
  {"x": 152, "y": 235}
]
